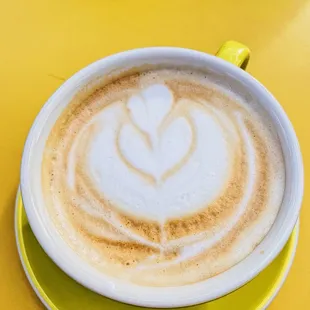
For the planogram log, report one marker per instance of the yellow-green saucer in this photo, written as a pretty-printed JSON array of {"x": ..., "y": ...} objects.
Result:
[{"x": 57, "y": 291}]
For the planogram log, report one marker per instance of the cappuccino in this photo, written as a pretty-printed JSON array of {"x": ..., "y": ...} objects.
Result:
[{"x": 163, "y": 177}]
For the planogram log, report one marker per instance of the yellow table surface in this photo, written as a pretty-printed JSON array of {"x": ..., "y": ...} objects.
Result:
[{"x": 43, "y": 42}]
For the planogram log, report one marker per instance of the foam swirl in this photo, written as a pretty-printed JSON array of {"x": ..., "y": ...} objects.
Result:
[{"x": 157, "y": 177}]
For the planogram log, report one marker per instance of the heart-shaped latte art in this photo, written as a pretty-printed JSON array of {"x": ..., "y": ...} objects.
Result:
[
  {"x": 156, "y": 155},
  {"x": 152, "y": 143}
]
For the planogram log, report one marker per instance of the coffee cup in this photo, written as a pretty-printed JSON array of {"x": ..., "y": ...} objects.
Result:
[{"x": 46, "y": 143}]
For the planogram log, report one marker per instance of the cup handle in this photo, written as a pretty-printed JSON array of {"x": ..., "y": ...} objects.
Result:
[{"x": 235, "y": 53}]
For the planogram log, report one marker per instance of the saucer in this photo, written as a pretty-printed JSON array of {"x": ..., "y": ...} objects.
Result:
[{"x": 57, "y": 291}]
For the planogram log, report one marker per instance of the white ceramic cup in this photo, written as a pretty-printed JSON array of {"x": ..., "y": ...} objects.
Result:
[{"x": 209, "y": 289}]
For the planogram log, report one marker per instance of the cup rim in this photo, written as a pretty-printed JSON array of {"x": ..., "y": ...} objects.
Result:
[{"x": 157, "y": 298}]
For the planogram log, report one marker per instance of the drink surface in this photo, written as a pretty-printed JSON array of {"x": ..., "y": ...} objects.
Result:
[{"x": 162, "y": 178}]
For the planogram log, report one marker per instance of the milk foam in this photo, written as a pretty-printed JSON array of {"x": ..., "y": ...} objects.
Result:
[{"x": 160, "y": 177}]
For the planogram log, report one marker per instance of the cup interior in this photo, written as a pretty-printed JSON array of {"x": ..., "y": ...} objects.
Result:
[{"x": 228, "y": 75}]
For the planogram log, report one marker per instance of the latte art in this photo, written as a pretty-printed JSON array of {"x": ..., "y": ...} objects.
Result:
[{"x": 162, "y": 178}]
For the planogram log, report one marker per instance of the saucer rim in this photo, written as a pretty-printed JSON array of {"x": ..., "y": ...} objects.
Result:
[{"x": 48, "y": 303}]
